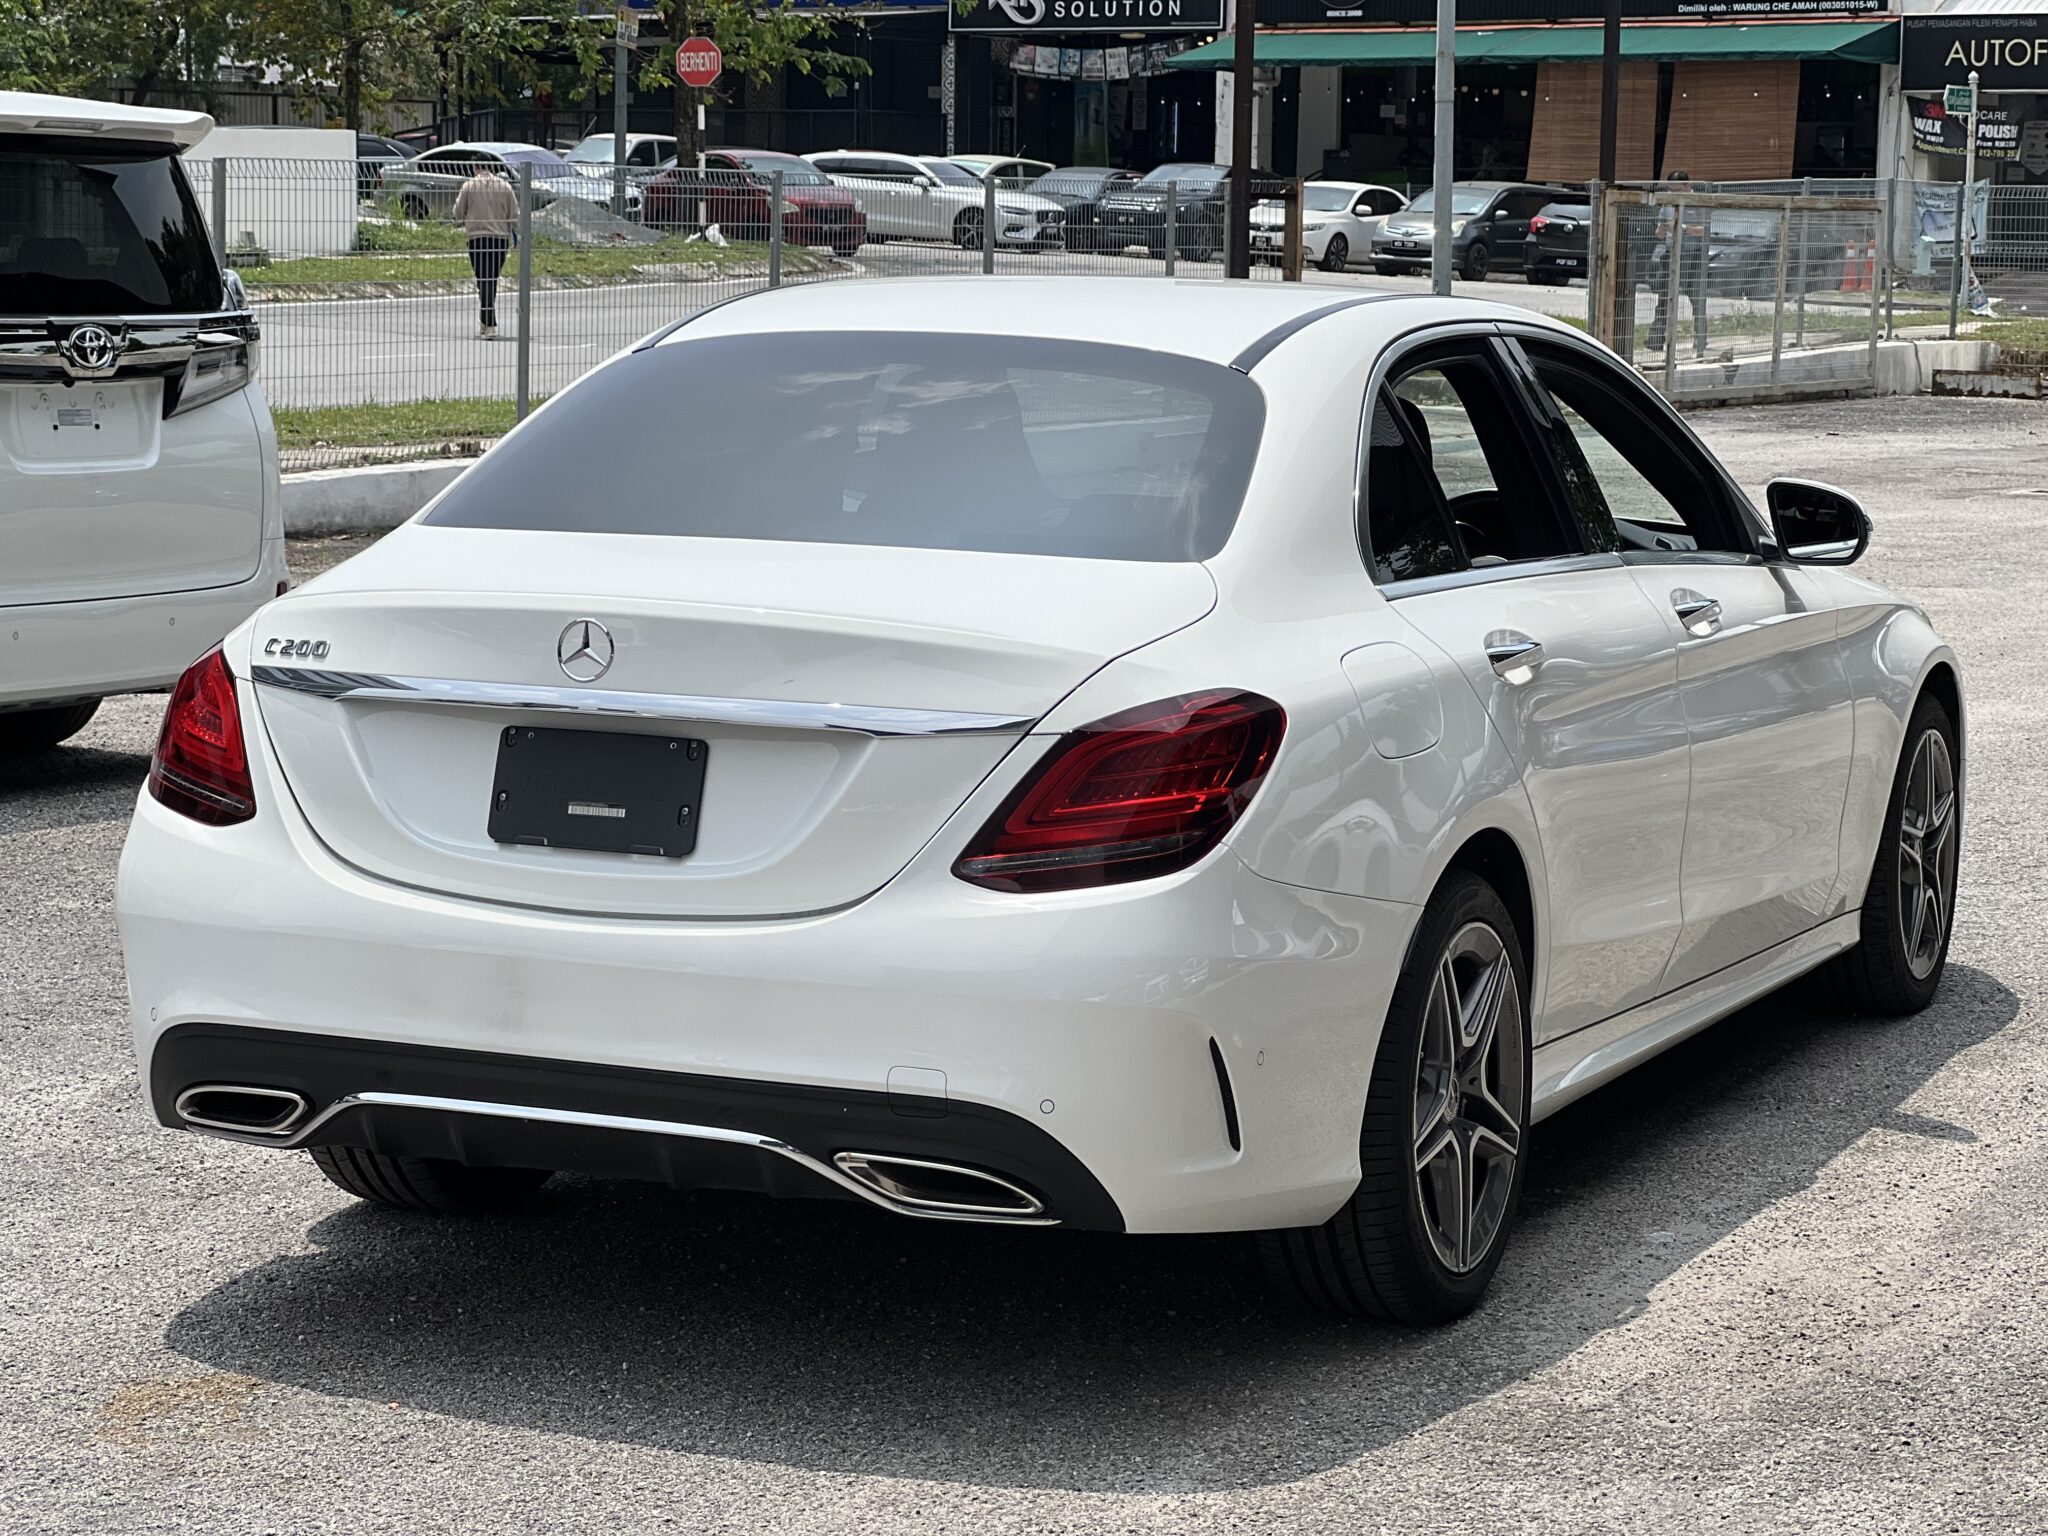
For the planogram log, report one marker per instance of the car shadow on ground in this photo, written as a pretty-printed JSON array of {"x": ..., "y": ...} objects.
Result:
[
  {"x": 69, "y": 786},
  {"x": 830, "y": 1338}
]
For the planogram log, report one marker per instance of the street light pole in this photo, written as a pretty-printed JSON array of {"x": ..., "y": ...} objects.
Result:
[
  {"x": 1610, "y": 90},
  {"x": 1446, "y": 121},
  {"x": 1969, "y": 194},
  {"x": 1237, "y": 239}
]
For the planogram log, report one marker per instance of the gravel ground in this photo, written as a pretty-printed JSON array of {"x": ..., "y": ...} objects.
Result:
[{"x": 1786, "y": 1278}]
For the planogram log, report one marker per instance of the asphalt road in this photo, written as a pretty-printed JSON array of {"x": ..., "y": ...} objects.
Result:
[
  {"x": 1788, "y": 1278},
  {"x": 352, "y": 351}
]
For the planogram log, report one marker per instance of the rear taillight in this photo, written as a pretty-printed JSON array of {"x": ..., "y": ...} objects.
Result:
[
  {"x": 1537, "y": 223},
  {"x": 1132, "y": 797},
  {"x": 201, "y": 768}
]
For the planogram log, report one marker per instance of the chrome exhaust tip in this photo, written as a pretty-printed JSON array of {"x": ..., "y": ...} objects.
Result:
[
  {"x": 241, "y": 1110},
  {"x": 947, "y": 1188}
]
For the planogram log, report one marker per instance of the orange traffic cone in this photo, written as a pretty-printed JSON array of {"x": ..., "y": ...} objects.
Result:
[
  {"x": 1851, "y": 281},
  {"x": 1869, "y": 266}
]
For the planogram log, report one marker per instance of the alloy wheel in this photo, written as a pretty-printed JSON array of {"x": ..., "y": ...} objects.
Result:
[
  {"x": 1470, "y": 1086},
  {"x": 1927, "y": 854}
]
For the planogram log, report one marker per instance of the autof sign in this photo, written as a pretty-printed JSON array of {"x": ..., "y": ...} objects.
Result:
[{"x": 2009, "y": 52}]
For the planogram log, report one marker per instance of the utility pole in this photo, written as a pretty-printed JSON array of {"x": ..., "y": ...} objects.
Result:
[
  {"x": 622, "y": 55},
  {"x": 1610, "y": 90},
  {"x": 1237, "y": 238},
  {"x": 1969, "y": 193},
  {"x": 1446, "y": 125}
]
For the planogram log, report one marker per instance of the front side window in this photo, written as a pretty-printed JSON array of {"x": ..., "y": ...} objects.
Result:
[
  {"x": 100, "y": 230},
  {"x": 1450, "y": 480},
  {"x": 920, "y": 440},
  {"x": 1659, "y": 492}
]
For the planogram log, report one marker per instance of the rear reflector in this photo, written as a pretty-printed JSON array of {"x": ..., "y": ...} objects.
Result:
[
  {"x": 1138, "y": 795},
  {"x": 201, "y": 768}
]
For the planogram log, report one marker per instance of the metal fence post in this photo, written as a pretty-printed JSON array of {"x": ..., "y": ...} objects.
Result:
[
  {"x": 775, "y": 230},
  {"x": 523, "y": 393},
  {"x": 1778, "y": 301},
  {"x": 988, "y": 225},
  {"x": 1955, "y": 259},
  {"x": 1671, "y": 291},
  {"x": 1891, "y": 238},
  {"x": 218, "y": 195},
  {"x": 1292, "y": 254},
  {"x": 1172, "y": 225},
  {"x": 1596, "y": 265},
  {"x": 1805, "y": 260}
]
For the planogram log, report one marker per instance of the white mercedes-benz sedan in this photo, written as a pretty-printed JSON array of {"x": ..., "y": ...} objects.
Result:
[{"x": 1145, "y": 756}]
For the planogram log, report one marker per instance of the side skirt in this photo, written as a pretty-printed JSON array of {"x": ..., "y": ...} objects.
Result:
[{"x": 1571, "y": 1067}]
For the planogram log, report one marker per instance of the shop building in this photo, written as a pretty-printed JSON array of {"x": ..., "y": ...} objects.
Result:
[
  {"x": 1759, "y": 98},
  {"x": 1940, "y": 44}
]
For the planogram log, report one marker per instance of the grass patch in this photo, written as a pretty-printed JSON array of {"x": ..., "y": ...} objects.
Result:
[
  {"x": 2020, "y": 335},
  {"x": 427, "y": 263},
  {"x": 407, "y": 422}
]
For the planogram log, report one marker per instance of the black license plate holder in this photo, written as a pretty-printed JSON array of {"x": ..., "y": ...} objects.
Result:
[{"x": 602, "y": 791}]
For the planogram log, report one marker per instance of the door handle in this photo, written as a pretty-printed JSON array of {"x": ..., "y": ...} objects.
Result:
[
  {"x": 1513, "y": 655},
  {"x": 1699, "y": 614}
]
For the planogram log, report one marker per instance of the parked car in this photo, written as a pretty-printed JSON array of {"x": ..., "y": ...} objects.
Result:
[
  {"x": 1005, "y": 169},
  {"x": 1742, "y": 258},
  {"x": 140, "y": 516},
  {"x": 1560, "y": 242},
  {"x": 942, "y": 744},
  {"x": 373, "y": 153},
  {"x": 1489, "y": 223},
  {"x": 1078, "y": 190},
  {"x": 927, "y": 198},
  {"x": 1135, "y": 213},
  {"x": 734, "y": 190},
  {"x": 1338, "y": 222},
  {"x": 644, "y": 151},
  {"x": 425, "y": 186}
]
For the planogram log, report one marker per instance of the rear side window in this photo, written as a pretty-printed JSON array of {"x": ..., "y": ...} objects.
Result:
[
  {"x": 100, "y": 230},
  {"x": 920, "y": 440}
]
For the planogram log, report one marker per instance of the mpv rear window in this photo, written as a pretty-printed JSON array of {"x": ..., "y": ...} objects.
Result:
[
  {"x": 100, "y": 230},
  {"x": 921, "y": 440}
]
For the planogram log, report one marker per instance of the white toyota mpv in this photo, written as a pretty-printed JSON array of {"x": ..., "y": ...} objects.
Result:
[{"x": 139, "y": 503}]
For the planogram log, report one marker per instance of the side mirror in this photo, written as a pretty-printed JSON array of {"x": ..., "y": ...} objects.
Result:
[{"x": 1816, "y": 524}]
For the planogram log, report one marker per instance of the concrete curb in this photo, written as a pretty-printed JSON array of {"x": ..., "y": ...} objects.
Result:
[{"x": 371, "y": 498}]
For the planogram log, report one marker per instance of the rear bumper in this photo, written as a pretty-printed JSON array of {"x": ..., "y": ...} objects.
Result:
[
  {"x": 1066, "y": 1038},
  {"x": 57, "y": 651}
]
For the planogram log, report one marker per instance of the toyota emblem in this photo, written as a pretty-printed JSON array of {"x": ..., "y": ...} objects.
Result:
[
  {"x": 585, "y": 650},
  {"x": 90, "y": 348}
]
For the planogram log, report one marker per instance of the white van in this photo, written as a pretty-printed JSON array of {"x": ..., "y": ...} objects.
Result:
[{"x": 140, "y": 514}]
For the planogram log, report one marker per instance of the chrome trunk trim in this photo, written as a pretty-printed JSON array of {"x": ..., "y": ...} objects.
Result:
[{"x": 771, "y": 714}]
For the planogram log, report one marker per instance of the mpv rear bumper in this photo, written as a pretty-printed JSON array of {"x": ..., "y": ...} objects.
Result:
[{"x": 52, "y": 652}]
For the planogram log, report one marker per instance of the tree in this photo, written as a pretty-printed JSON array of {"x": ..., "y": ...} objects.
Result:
[
  {"x": 758, "y": 42},
  {"x": 74, "y": 46}
]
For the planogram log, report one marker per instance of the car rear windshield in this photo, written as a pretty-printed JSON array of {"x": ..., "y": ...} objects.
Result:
[
  {"x": 100, "y": 229},
  {"x": 1186, "y": 172},
  {"x": 921, "y": 440},
  {"x": 795, "y": 172},
  {"x": 1583, "y": 211}
]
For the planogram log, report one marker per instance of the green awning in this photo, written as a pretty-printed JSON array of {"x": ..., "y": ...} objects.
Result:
[{"x": 1862, "y": 42}]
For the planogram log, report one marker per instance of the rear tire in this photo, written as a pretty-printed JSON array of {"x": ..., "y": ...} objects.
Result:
[
  {"x": 1388, "y": 269},
  {"x": 37, "y": 730},
  {"x": 1896, "y": 966},
  {"x": 967, "y": 230},
  {"x": 1336, "y": 255},
  {"x": 427, "y": 1184},
  {"x": 1537, "y": 274},
  {"x": 1477, "y": 263},
  {"x": 1442, "y": 1146}
]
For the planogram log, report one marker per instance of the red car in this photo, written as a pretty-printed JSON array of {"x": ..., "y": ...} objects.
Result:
[{"x": 734, "y": 193}]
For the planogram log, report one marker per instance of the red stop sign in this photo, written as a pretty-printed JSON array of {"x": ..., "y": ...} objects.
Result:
[{"x": 698, "y": 62}]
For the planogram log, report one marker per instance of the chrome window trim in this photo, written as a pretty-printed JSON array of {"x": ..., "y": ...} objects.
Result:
[
  {"x": 1483, "y": 575},
  {"x": 771, "y": 714}
]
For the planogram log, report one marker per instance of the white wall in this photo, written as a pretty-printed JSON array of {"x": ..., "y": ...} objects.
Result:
[{"x": 292, "y": 189}]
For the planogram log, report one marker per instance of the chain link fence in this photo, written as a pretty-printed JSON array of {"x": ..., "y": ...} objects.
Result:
[{"x": 395, "y": 327}]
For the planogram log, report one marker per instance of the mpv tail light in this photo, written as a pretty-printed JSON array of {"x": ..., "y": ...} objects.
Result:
[
  {"x": 1537, "y": 223},
  {"x": 201, "y": 768},
  {"x": 1141, "y": 794}
]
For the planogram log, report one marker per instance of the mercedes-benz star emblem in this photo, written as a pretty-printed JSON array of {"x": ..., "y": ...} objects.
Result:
[
  {"x": 90, "y": 348},
  {"x": 585, "y": 650}
]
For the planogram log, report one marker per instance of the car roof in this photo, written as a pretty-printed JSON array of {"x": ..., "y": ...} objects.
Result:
[
  {"x": 1206, "y": 319},
  {"x": 493, "y": 146},
  {"x": 34, "y": 112},
  {"x": 871, "y": 154},
  {"x": 631, "y": 138},
  {"x": 1351, "y": 186}
]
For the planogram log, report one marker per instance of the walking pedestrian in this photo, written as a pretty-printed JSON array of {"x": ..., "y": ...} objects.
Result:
[
  {"x": 1692, "y": 266},
  {"x": 488, "y": 209}
]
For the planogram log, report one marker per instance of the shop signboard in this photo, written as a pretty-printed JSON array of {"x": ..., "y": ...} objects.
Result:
[
  {"x": 1288, "y": 13},
  {"x": 2009, "y": 51},
  {"x": 1939, "y": 131},
  {"x": 1056, "y": 16}
]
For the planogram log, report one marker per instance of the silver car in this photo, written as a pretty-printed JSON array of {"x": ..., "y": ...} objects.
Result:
[{"x": 425, "y": 186}]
